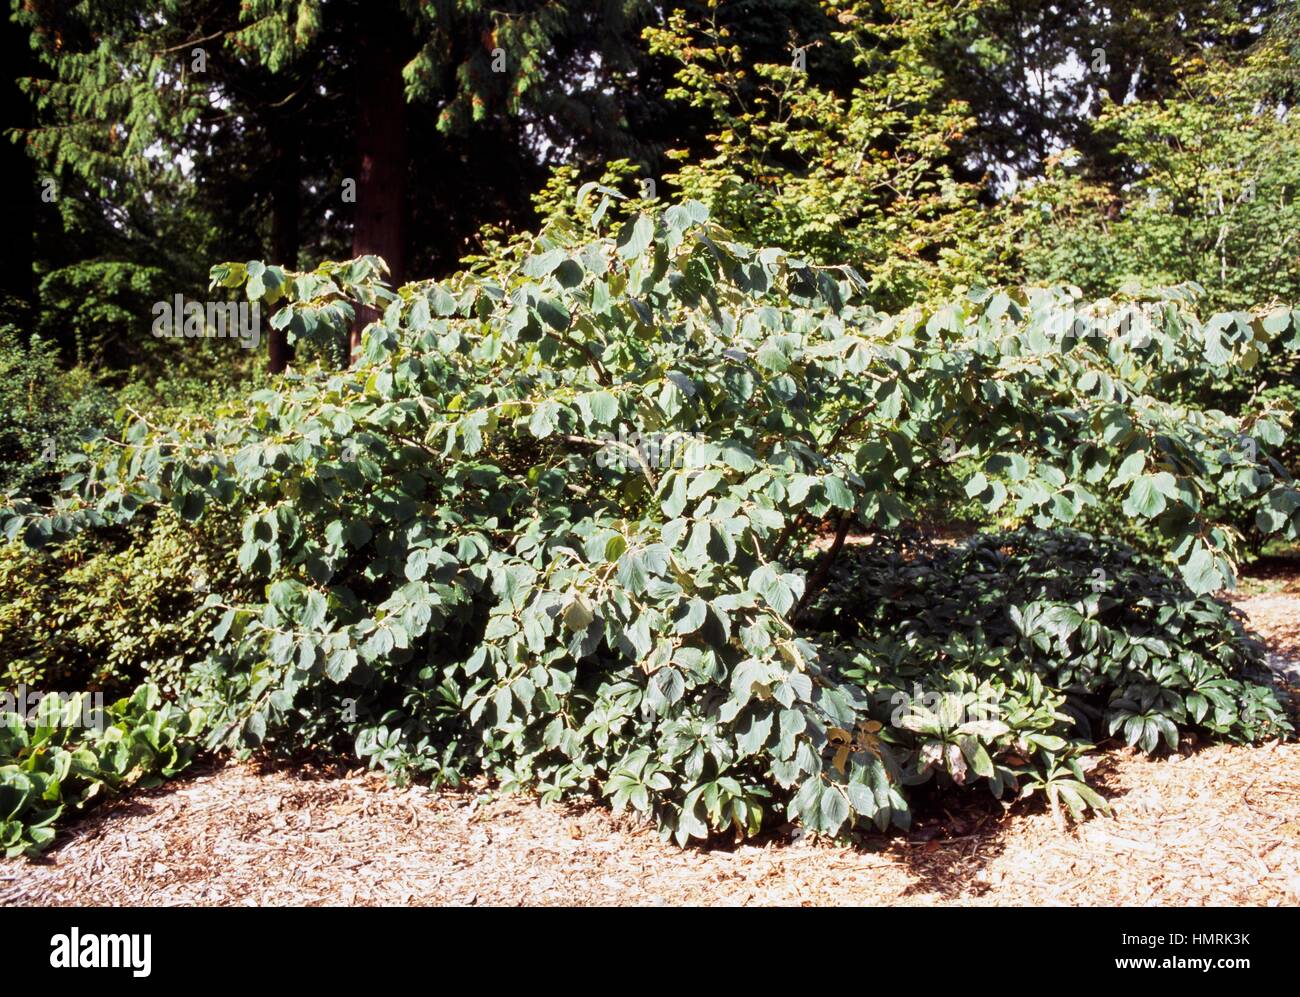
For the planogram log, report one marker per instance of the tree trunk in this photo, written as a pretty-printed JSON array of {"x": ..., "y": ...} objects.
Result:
[
  {"x": 285, "y": 237},
  {"x": 822, "y": 572},
  {"x": 379, "y": 212}
]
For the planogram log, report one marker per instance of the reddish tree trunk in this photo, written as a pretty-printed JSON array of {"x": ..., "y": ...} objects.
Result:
[{"x": 379, "y": 213}]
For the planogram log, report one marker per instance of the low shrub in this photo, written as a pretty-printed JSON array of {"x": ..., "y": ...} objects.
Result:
[
  {"x": 1058, "y": 626},
  {"x": 115, "y": 605},
  {"x": 48, "y": 413},
  {"x": 553, "y": 525}
]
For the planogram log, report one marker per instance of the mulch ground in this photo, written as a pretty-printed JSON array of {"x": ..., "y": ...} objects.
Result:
[{"x": 1212, "y": 825}]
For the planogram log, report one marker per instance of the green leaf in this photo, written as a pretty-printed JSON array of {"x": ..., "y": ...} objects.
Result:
[
  {"x": 635, "y": 236},
  {"x": 834, "y": 809},
  {"x": 1200, "y": 571},
  {"x": 690, "y": 616},
  {"x": 753, "y": 733},
  {"x": 837, "y": 492},
  {"x": 1146, "y": 497},
  {"x": 339, "y": 664}
]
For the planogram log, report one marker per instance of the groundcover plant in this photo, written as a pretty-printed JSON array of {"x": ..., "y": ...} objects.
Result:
[{"x": 614, "y": 515}]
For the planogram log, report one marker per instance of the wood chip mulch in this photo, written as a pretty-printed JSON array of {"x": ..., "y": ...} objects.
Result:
[
  {"x": 1276, "y": 616},
  {"x": 1214, "y": 826}
]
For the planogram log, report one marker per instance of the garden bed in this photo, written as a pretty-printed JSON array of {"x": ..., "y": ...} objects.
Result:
[
  {"x": 1211, "y": 825},
  {"x": 1219, "y": 826}
]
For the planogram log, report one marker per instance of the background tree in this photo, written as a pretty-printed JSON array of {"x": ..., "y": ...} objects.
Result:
[
  {"x": 1036, "y": 73},
  {"x": 841, "y": 146},
  {"x": 322, "y": 125},
  {"x": 183, "y": 133}
]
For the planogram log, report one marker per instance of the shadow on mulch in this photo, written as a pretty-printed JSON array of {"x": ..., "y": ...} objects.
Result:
[{"x": 1269, "y": 574}]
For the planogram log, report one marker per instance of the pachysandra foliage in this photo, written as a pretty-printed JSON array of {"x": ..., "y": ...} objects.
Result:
[
  {"x": 555, "y": 524},
  {"x": 1051, "y": 633}
]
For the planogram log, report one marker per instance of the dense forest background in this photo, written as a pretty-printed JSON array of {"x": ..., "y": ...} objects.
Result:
[{"x": 933, "y": 145}]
